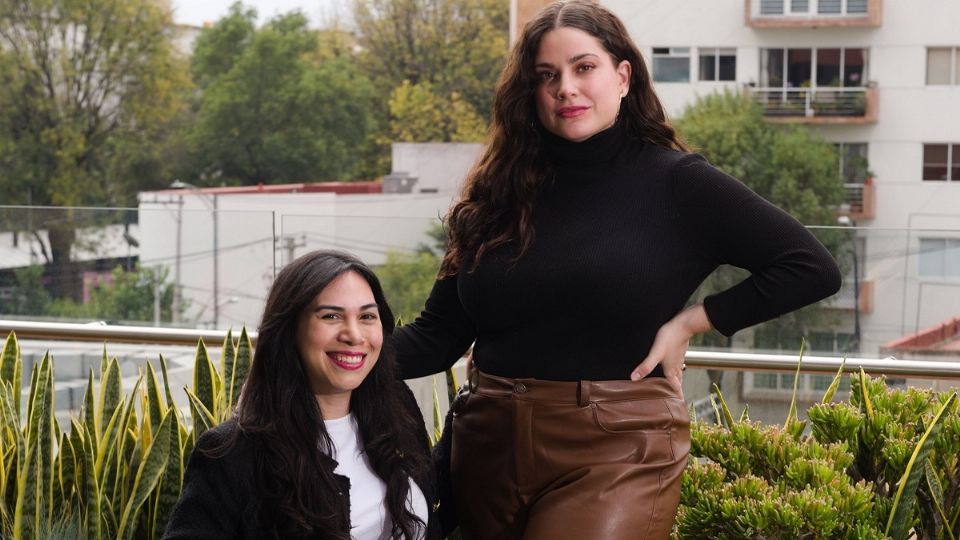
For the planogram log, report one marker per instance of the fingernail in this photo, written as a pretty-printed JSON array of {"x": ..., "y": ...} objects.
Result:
[{"x": 634, "y": 376}]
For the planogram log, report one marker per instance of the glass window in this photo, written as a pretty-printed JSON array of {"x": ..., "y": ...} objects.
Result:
[
  {"x": 771, "y": 7},
  {"x": 856, "y": 6},
  {"x": 854, "y": 67},
  {"x": 938, "y": 65},
  {"x": 771, "y": 68},
  {"x": 765, "y": 380},
  {"x": 829, "y": 7},
  {"x": 828, "y": 67},
  {"x": 939, "y": 257},
  {"x": 935, "y": 161},
  {"x": 799, "y": 67},
  {"x": 799, "y": 6},
  {"x": 718, "y": 64},
  {"x": 671, "y": 64},
  {"x": 853, "y": 162}
]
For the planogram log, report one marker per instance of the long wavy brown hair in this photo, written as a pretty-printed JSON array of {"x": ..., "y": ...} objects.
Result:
[{"x": 497, "y": 200}]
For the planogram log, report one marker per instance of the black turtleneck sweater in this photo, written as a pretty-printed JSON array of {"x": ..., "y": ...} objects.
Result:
[{"x": 624, "y": 234}]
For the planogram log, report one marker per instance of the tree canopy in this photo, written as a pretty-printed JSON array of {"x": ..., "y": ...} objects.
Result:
[
  {"x": 275, "y": 107},
  {"x": 787, "y": 165}
]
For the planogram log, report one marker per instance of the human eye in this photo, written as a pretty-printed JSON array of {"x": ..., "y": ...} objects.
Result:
[
  {"x": 546, "y": 76},
  {"x": 586, "y": 67},
  {"x": 369, "y": 316},
  {"x": 328, "y": 315}
]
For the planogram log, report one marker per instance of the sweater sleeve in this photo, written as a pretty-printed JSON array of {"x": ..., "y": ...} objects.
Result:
[
  {"x": 789, "y": 267},
  {"x": 438, "y": 337},
  {"x": 210, "y": 505}
]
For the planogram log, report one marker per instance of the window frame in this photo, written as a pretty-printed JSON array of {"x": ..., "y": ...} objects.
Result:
[
  {"x": 953, "y": 76},
  {"x": 717, "y": 54},
  {"x": 671, "y": 54},
  {"x": 952, "y": 163},
  {"x": 814, "y": 84}
]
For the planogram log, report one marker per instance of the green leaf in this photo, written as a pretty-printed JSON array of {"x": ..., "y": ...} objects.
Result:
[
  {"x": 204, "y": 378},
  {"x": 203, "y": 419},
  {"x": 452, "y": 386},
  {"x": 110, "y": 393},
  {"x": 9, "y": 359},
  {"x": 148, "y": 474},
  {"x": 727, "y": 418},
  {"x": 437, "y": 417},
  {"x": 90, "y": 411},
  {"x": 935, "y": 490},
  {"x": 169, "y": 487},
  {"x": 166, "y": 384},
  {"x": 835, "y": 383},
  {"x": 241, "y": 366},
  {"x": 156, "y": 408},
  {"x": 903, "y": 501},
  {"x": 792, "y": 413},
  {"x": 865, "y": 395},
  {"x": 228, "y": 355}
]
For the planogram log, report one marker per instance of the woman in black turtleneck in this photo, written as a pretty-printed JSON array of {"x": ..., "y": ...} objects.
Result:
[{"x": 579, "y": 236}]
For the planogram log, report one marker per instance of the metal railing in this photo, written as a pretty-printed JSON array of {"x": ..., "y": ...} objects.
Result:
[
  {"x": 781, "y": 101},
  {"x": 694, "y": 359}
]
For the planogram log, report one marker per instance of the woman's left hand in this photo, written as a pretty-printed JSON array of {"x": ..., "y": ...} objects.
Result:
[{"x": 670, "y": 345}]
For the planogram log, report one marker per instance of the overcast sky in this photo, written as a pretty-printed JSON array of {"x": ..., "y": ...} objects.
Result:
[{"x": 196, "y": 12}]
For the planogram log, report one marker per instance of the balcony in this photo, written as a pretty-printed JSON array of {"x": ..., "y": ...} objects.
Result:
[
  {"x": 859, "y": 200},
  {"x": 823, "y": 105},
  {"x": 813, "y": 13}
]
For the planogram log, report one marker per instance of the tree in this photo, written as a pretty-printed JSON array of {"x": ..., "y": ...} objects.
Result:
[
  {"x": 417, "y": 114},
  {"x": 88, "y": 86},
  {"x": 275, "y": 107},
  {"x": 785, "y": 164},
  {"x": 127, "y": 296},
  {"x": 407, "y": 278},
  {"x": 454, "y": 48}
]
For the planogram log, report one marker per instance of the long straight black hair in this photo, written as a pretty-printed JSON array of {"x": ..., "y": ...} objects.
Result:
[{"x": 278, "y": 409}]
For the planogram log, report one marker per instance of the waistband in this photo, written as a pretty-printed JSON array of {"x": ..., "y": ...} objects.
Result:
[{"x": 580, "y": 393}]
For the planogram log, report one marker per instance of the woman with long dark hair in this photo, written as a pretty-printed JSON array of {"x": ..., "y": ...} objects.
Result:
[
  {"x": 326, "y": 441},
  {"x": 578, "y": 238}
]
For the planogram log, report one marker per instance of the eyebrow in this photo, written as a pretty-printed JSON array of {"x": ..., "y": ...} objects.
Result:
[
  {"x": 338, "y": 308},
  {"x": 572, "y": 60}
]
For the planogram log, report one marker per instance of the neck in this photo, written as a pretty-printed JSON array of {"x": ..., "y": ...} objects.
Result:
[{"x": 333, "y": 406}]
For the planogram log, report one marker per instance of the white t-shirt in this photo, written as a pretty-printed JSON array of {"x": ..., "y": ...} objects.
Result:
[{"x": 369, "y": 518}]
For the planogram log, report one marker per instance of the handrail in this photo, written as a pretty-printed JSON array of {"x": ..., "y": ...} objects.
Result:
[
  {"x": 694, "y": 359},
  {"x": 99, "y": 331}
]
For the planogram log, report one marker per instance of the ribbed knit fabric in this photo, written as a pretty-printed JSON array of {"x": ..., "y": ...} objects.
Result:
[{"x": 625, "y": 233}]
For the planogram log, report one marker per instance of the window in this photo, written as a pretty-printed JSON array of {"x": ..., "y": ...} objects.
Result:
[
  {"x": 824, "y": 7},
  {"x": 671, "y": 64},
  {"x": 852, "y": 159},
  {"x": 804, "y": 68},
  {"x": 718, "y": 64},
  {"x": 943, "y": 65},
  {"x": 939, "y": 257},
  {"x": 941, "y": 162}
]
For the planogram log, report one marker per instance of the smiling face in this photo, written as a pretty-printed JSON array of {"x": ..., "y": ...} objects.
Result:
[
  {"x": 339, "y": 337},
  {"x": 579, "y": 89}
]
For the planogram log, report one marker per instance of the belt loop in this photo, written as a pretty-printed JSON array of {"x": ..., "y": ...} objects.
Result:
[{"x": 583, "y": 393}]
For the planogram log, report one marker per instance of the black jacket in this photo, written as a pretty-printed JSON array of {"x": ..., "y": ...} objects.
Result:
[{"x": 220, "y": 498}]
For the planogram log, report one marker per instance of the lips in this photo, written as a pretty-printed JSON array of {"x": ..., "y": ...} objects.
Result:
[
  {"x": 347, "y": 359},
  {"x": 570, "y": 112}
]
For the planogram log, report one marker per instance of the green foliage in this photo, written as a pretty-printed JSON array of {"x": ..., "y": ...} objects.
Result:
[
  {"x": 418, "y": 114},
  {"x": 886, "y": 464},
  {"x": 119, "y": 471},
  {"x": 407, "y": 279},
  {"x": 785, "y": 164},
  {"x": 125, "y": 296},
  {"x": 89, "y": 87},
  {"x": 454, "y": 45},
  {"x": 275, "y": 108}
]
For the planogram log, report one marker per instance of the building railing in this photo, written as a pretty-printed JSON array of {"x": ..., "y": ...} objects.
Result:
[
  {"x": 812, "y": 102},
  {"x": 694, "y": 359}
]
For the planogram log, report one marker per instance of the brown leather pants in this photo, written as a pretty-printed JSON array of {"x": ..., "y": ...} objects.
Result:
[{"x": 543, "y": 460}]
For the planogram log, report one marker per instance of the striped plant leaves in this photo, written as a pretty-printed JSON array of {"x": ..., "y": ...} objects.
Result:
[
  {"x": 203, "y": 418},
  {"x": 903, "y": 501},
  {"x": 91, "y": 486},
  {"x": 437, "y": 417},
  {"x": 169, "y": 487},
  {"x": 726, "y": 418},
  {"x": 156, "y": 407},
  {"x": 452, "y": 387},
  {"x": 110, "y": 393},
  {"x": 166, "y": 384},
  {"x": 241, "y": 366},
  {"x": 228, "y": 356},
  {"x": 148, "y": 474},
  {"x": 935, "y": 490},
  {"x": 204, "y": 379},
  {"x": 834, "y": 384},
  {"x": 9, "y": 362}
]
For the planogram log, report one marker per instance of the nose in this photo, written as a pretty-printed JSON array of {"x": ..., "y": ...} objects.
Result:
[
  {"x": 565, "y": 88},
  {"x": 350, "y": 333}
]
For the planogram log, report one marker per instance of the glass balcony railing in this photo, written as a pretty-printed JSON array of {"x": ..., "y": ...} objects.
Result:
[{"x": 193, "y": 268}]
